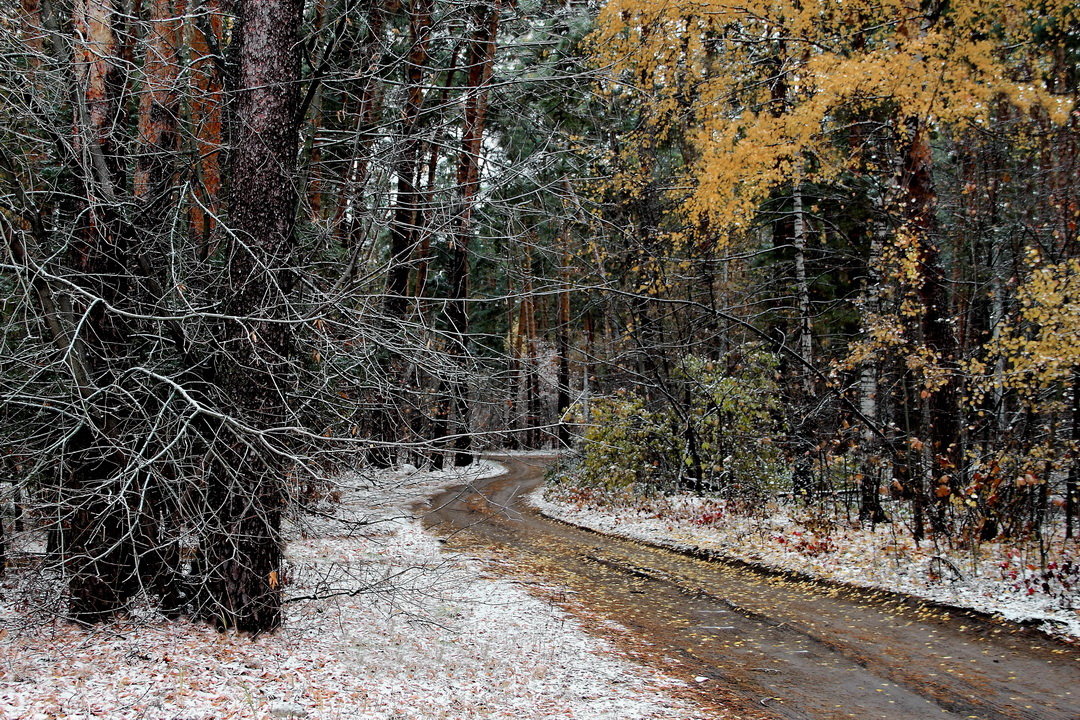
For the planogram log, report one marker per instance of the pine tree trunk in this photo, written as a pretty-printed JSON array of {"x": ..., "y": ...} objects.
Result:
[
  {"x": 158, "y": 109},
  {"x": 479, "y": 63},
  {"x": 154, "y": 186},
  {"x": 403, "y": 229},
  {"x": 427, "y": 198},
  {"x": 204, "y": 34},
  {"x": 939, "y": 426},
  {"x": 242, "y": 553},
  {"x": 95, "y": 539},
  {"x": 367, "y": 111}
]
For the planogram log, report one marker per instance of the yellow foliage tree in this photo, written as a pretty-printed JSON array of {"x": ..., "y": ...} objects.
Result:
[
  {"x": 712, "y": 68},
  {"x": 770, "y": 94},
  {"x": 1041, "y": 347}
]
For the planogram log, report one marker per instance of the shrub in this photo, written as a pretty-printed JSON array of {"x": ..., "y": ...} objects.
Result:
[
  {"x": 619, "y": 443},
  {"x": 728, "y": 420},
  {"x": 711, "y": 430}
]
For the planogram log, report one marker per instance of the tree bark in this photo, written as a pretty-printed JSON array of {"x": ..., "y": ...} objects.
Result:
[
  {"x": 242, "y": 553},
  {"x": 870, "y": 452},
  {"x": 479, "y": 63},
  {"x": 96, "y": 536},
  {"x": 562, "y": 340},
  {"x": 403, "y": 229},
  {"x": 158, "y": 111},
  {"x": 204, "y": 33},
  {"x": 1073, "y": 479},
  {"x": 939, "y": 411},
  {"x": 367, "y": 110},
  {"x": 802, "y": 287}
]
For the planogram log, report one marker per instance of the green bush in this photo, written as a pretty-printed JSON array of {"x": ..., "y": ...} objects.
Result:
[
  {"x": 712, "y": 428},
  {"x": 728, "y": 418},
  {"x": 618, "y": 444}
]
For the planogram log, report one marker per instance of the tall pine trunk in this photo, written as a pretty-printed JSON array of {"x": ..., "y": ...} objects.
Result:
[
  {"x": 242, "y": 552},
  {"x": 204, "y": 33},
  {"x": 479, "y": 63}
]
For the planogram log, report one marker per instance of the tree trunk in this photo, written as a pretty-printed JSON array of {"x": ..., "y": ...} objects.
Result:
[
  {"x": 940, "y": 412},
  {"x": 158, "y": 111},
  {"x": 242, "y": 553},
  {"x": 403, "y": 229},
  {"x": 802, "y": 288},
  {"x": 155, "y": 518},
  {"x": 532, "y": 343},
  {"x": 870, "y": 451},
  {"x": 1073, "y": 478},
  {"x": 479, "y": 63},
  {"x": 204, "y": 33},
  {"x": 427, "y": 199},
  {"x": 367, "y": 110},
  {"x": 96, "y": 539},
  {"x": 562, "y": 341}
]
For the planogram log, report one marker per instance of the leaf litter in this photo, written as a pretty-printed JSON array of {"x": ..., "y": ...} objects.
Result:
[
  {"x": 401, "y": 630},
  {"x": 1002, "y": 579}
]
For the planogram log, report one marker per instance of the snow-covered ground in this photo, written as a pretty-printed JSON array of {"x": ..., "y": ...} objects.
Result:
[
  {"x": 1012, "y": 582},
  {"x": 429, "y": 636}
]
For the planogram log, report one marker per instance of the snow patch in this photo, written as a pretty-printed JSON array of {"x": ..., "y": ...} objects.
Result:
[
  {"x": 996, "y": 579},
  {"x": 403, "y": 631}
]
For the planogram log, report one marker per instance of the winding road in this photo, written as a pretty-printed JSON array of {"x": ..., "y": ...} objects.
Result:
[{"x": 767, "y": 646}]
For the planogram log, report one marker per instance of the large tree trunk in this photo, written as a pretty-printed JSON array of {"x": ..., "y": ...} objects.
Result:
[
  {"x": 242, "y": 554},
  {"x": 939, "y": 410},
  {"x": 156, "y": 516},
  {"x": 158, "y": 110},
  {"x": 95, "y": 539},
  {"x": 479, "y": 63}
]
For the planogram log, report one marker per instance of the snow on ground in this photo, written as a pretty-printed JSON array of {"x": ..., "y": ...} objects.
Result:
[
  {"x": 1011, "y": 582},
  {"x": 429, "y": 637}
]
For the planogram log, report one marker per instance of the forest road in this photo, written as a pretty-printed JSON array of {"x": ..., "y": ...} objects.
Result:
[{"x": 762, "y": 645}]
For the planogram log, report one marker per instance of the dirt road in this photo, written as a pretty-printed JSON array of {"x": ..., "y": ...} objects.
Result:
[{"x": 772, "y": 646}]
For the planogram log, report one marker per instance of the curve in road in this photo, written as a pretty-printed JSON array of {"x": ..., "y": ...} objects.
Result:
[{"x": 798, "y": 649}]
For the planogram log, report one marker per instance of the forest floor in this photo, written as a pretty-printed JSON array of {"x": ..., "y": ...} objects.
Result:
[
  {"x": 1020, "y": 582},
  {"x": 402, "y": 630}
]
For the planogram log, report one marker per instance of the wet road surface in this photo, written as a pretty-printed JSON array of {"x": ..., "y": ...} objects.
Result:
[{"x": 771, "y": 646}]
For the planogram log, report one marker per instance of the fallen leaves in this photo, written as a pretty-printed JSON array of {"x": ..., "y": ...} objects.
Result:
[
  {"x": 875, "y": 558},
  {"x": 442, "y": 643}
]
